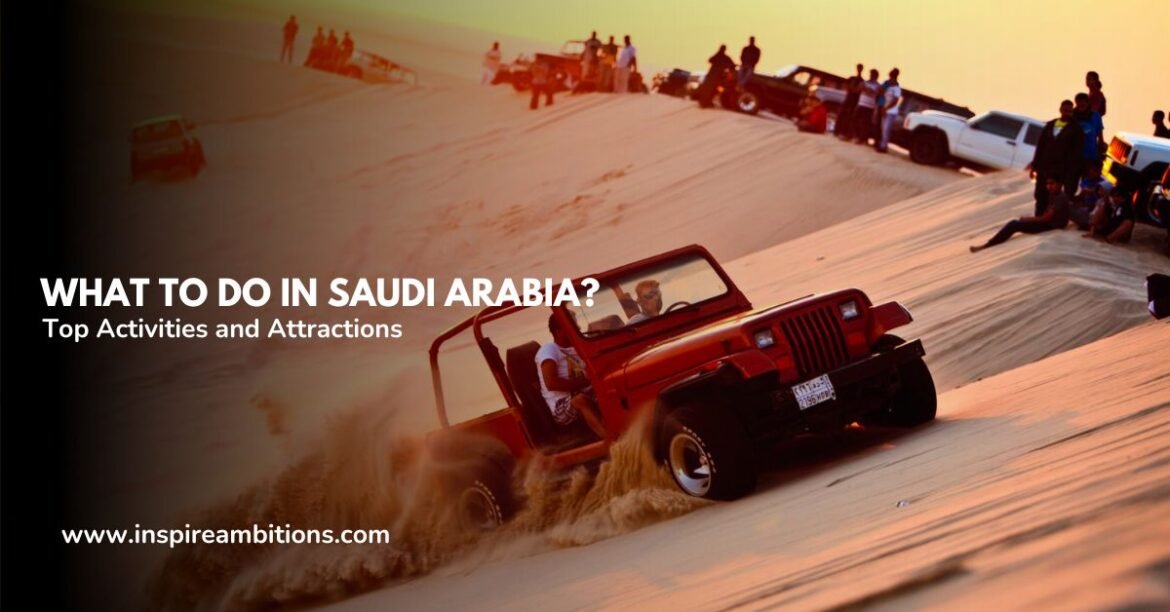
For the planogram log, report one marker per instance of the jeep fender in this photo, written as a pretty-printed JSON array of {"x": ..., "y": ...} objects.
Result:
[
  {"x": 714, "y": 381},
  {"x": 885, "y": 317},
  {"x": 936, "y": 132}
]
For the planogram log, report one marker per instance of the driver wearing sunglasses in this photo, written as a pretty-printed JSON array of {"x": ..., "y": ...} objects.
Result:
[{"x": 649, "y": 300}]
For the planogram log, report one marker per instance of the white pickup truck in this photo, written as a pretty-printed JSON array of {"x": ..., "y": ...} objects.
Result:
[
  {"x": 1136, "y": 162},
  {"x": 997, "y": 140}
]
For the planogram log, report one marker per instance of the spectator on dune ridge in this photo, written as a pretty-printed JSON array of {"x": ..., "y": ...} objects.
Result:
[
  {"x": 607, "y": 62},
  {"x": 1113, "y": 222},
  {"x": 720, "y": 63},
  {"x": 1096, "y": 97},
  {"x": 1160, "y": 129},
  {"x": 891, "y": 102},
  {"x": 1058, "y": 155},
  {"x": 844, "y": 127},
  {"x": 1054, "y": 218},
  {"x": 345, "y": 50},
  {"x": 866, "y": 115},
  {"x": 627, "y": 61},
  {"x": 290, "y": 36},
  {"x": 814, "y": 117},
  {"x": 330, "y": 51},
  {"x": 1094, "y": 192},
  {"x": 1093, "y": 128},
  {"x": 316, "y": 49},
  {"x": 749, "y": 57},
  {"x": 491, "y": 64},
  {"x": 542, "y": 82},
  {"x": 589, "y": 57}
]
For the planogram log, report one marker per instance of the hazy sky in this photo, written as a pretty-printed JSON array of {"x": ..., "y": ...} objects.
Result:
[{"x": 1022, "y": 55}]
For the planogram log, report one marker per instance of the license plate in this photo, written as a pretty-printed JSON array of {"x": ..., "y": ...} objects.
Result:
[{"x": 813, "y": 392}]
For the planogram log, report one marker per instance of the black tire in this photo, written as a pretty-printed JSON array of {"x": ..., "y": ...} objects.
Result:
[
  {"x": 484, "y": 500},
  {"x": 929, "y": 148},
  {"x": 915, "y": 402},
  {"x": 748, "y": 103},
  {"x": 707, "y": 453}
]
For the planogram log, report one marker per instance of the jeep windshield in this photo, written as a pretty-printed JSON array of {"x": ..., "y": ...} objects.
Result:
[
  {"x": 155, "y": 132},
  {"x": 654, "y": 293}
]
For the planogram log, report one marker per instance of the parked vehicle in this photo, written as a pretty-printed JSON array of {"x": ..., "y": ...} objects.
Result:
[
  {"x": 373, "y": 68},
  {"x": 678, "y": 82},
  {"x": 717, "y": 380},
  {"x": 163, "y": 144},
  {"x": 996, "y": 139},
  {"x": 1154, "y": 208},
  {"x": 782, "y": 94},
  {"x": 1138, "y": 163},
  {"x": 914, "y": 102},
  {"x": 564, "y": 66}
]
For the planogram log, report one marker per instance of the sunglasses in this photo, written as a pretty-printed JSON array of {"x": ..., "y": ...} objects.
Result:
[{"x": 653, "y": 294}]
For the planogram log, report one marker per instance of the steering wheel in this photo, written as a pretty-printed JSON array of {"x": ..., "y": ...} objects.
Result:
[{"x": 676, "y": 305}]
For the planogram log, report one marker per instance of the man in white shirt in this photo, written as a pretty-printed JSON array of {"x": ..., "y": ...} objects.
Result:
[
  {"x": 563, "y": 382},
  {"x": 491, "y": 64},
  {"x": 627, "y": 61},
  {"x": 893, "y": 99}
]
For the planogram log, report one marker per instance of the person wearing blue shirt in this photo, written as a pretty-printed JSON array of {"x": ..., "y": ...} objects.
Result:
[{"x": 1093, "y": 127}]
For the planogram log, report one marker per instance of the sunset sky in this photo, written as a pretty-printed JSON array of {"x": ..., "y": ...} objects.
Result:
[{"x": 1021, "y": 55}]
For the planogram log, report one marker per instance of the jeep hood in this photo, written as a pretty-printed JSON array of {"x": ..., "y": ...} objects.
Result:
[{"x": 707, "y": 344}]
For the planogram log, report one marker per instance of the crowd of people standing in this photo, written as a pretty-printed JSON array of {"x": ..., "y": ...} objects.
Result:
[{"x": 325, "y": 52}]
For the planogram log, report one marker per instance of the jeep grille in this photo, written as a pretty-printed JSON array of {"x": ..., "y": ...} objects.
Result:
[{"x": 818, "y": 344}]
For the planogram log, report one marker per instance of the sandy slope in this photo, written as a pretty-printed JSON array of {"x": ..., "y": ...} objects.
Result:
[
  {"x": 1044, "y": 487},
  {"x": 313, "y": 175}
]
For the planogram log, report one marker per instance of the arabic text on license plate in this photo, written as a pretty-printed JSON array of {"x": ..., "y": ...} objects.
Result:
[{"x": 813, "y": 392}]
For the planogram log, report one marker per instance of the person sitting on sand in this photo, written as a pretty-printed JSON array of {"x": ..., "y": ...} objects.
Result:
[
  {"x": 814, "y": 116},
  {"x": 649, "y": 301},
  {"x": 563, "y": 383},
  {"x": 1054, "y": 217},
  {"x": 1094, "y": 190},
  {"x": 316, "y": 48},
  {"x": 1113, "y": 222}
]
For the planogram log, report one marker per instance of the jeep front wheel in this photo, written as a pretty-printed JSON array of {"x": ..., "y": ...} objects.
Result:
[
  {"x": 928, "y": 148},
  {"x": 706, "y": 452},
  {"x": 915, "y": 402}
]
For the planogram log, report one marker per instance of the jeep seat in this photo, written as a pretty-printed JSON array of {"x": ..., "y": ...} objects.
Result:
[{"x": 521, "y": 367}]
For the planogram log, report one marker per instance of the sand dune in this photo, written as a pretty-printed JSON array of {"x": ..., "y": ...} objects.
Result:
[
  {"x": 1043, "y": 487},
  {"x": 315, "y": 175}
]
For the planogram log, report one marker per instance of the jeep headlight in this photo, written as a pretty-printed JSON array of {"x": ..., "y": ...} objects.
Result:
[
  {"x": 764, "y": 338},
  {"x": 850, "y": 310}
]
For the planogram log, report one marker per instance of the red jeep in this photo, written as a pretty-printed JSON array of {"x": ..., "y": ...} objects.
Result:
[{"x": 721, "y": 380}]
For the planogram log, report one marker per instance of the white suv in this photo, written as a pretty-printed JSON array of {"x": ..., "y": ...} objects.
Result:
[
  {"x": 997, "y": 139},
  {"x": 1136, "y": 162}
]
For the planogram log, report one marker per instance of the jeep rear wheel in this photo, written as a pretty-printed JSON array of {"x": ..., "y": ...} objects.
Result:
[
  {"x": 484, "y": 501},
  {"x": 928, "y": 148},
  {"x": 706, "y": 452},
  {"x": 915, "y": 402}
]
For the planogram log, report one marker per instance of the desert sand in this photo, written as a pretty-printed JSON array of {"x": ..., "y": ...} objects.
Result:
[{"x": 1044, "y": 482}]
